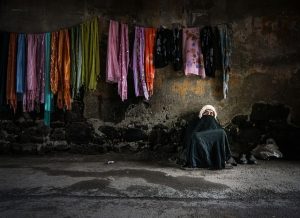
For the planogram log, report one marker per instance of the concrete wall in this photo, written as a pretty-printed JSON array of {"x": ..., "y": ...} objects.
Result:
[{"x": 265, "y": 62}]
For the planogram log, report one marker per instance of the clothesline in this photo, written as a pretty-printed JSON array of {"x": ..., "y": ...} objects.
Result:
[{"x": 72, "y": 60}]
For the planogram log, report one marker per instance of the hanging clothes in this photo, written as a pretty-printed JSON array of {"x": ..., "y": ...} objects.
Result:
[
  {"x": 4, "y": 41},
  {"x": 48, "y": 94},
  {"x": 54, "y": 62},
  {"x": 163, "y": 47},
  {"x": 76, "y": 60},
  {"x": 192, "y": 55},
  {"x": 177, "y": 48},
  {"x": 207, "y": 46},
  {"x": 225, "y": 45},
  {"x": 118, "y": 56},
  {"x": 30, "y": 94},
  {"x": 64, "y": 69},
  {"x": 138, "y": 65},
  {"x": 90, "y": 54},
  {"x": 11, "y": 96},
  {"x": 123, "y": 60},
  {"x": 112, "y": 65},
  {"x": 21, "y": 64},
  {"x": 149, "y": 58},
  {"x": 40, "y": 68}
]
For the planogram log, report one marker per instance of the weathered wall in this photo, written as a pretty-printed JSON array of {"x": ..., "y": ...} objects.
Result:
[{"x": 265, "y": 62}]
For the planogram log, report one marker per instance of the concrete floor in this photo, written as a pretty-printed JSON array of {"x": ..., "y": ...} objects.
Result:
[{"x": 84, "y": 186}]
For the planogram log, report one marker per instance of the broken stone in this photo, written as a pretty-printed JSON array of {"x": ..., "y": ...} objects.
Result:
[
  {"x": 134, "y": 134},
  {"x": 4, "y": 147},
  {"x": 58, "y": 134},
  {"x": 79, "y": 133},
  {"x": 111, "y": 133},
  {"x": 60, "y": 145}
]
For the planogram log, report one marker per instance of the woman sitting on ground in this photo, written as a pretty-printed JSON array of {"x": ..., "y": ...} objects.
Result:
[{"x": 207, "y": 145}]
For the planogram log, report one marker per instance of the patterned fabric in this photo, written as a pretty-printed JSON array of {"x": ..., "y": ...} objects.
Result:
[
  {"x": 138, "y": 66},
  {"x": 192, "y": 56},
  {"x": 11, "y": 96},
  {"x": 177, "y": 49},
  {"x": 21, "y": 63},
  {"x": 207, "y": 46},
  {"x": 163, "y": 47},
  {"x": 30, "y": 94},
  {"x": 149, "y": 58}
]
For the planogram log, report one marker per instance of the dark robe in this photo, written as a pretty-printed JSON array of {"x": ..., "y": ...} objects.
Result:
[{"x": 207, "y": 145}]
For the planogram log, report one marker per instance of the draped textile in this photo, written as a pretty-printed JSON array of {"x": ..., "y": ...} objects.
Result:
[
  {"x": 54, "y": 62},
  {"x": 150, "y": 34},
  {"x": 21, "y": 63},
  {"x": 76, "y": 60},
  {"x": 163, "y": 47},
  {"x": 177, "y": 48},
  {"x": 225, "y": 45},
  {"x": 192, "y": 55},
  {"x": 123, "y": 60},
  {"x": 48, "y": 94},
  {"x": 118, "y": 56},
  {"x": 207, "y": 46},
  {"x": 4, "y": 41},
  {"x": 90, "y": 53},
  {"x": 31, "y": 83},
  {"x": 112, "y": 65},
  {"x": 207, "y": 144},
  {"x": 40, "y": 68},
  {"x": 11, "y": 96},
  {"x": 138, "y": 66},
  {"x": 64, "y": 70}
]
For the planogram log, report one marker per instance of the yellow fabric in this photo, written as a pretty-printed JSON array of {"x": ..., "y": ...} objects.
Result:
[{"x": 90, "y": 67}]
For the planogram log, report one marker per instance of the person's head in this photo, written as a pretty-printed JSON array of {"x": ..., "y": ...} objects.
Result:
[{"x": 208, "y": 110}]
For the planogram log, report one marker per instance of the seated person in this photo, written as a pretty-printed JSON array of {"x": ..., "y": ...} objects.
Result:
[{"x": 206, "y": 142}]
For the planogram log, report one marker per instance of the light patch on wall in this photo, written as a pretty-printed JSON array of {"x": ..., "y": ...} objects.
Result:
[{"x": 182, "y": 88}]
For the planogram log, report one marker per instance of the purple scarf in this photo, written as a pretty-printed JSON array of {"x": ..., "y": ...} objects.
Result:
[
  {"x": 118, "y": 57},
  {"x": 138, "y": 66},
  {"x": 30, "y": 93}
]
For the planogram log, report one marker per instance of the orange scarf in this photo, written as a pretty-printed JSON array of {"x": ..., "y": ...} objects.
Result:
[
  {"x": 61, "y": 68},
  {"x": 149, "y": 62},
  {"x": 53, "y": 64},
  {"x": 11, "y": 72},
  {"x": 64, "y": 70}
]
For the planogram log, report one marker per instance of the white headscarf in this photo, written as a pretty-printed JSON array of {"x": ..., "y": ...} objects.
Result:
[{"x": 204, "y": 108}]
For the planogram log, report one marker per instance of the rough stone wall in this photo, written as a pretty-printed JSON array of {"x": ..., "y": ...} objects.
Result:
[
  {"x": 265, "y": 64},
  {"x": 265, "y": 61}
]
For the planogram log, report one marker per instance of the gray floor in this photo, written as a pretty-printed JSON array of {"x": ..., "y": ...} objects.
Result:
[{"x": 84, "y": 186}]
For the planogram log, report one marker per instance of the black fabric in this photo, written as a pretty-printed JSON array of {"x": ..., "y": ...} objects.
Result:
[
  {"x": 207, "y": 47},
  {"x": 4, "y": 40},
  {"x": 177, "y": 49},
  {"x": 163, "y": 47},
  {"x": 207, "y": 144}
]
